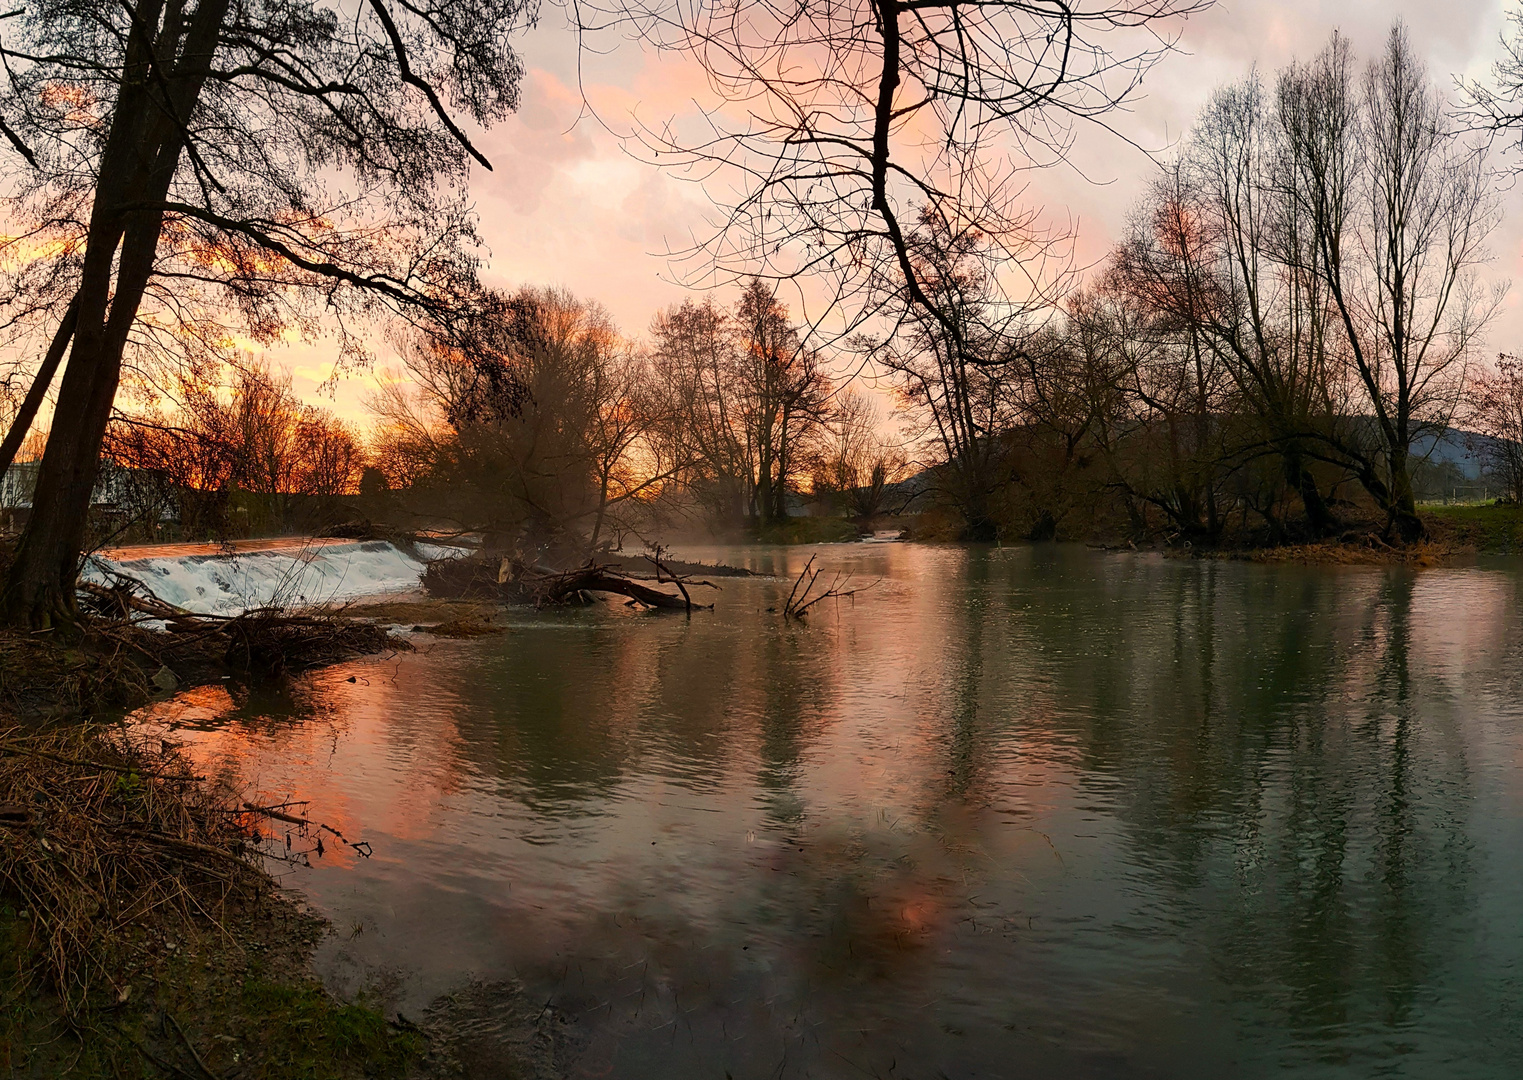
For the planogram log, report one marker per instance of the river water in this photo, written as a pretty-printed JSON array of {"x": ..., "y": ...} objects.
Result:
[{"x": 1035, "y": 812}]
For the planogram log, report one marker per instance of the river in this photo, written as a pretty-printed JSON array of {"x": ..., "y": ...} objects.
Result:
[{"x": 1033, "y": 811}]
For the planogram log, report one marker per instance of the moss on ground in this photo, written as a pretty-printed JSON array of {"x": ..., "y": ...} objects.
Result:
[{"x": 232, "y": 1001}]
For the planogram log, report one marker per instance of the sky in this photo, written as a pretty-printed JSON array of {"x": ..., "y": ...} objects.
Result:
[{"x": 566, "y": 205}]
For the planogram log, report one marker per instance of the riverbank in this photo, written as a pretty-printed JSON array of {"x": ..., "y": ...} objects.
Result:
[
  {"x": 141, "y": 931},
  {"x": 1488, "y": 529},
  {"x": 1454, "y": 534}
]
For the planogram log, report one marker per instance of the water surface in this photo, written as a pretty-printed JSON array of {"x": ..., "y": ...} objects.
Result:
[{"x": 1038, "y": 812}]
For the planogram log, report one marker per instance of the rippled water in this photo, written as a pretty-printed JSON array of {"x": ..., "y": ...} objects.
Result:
[{"x": 1037, "y": 812}]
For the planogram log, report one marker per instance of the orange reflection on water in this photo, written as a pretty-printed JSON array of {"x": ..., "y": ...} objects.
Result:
[{"x": 390, "y": 777}]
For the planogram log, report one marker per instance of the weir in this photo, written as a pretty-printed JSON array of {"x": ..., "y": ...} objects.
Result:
[{"x": 209, "y": 580}]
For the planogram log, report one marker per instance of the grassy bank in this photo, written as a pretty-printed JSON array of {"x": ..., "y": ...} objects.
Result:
[
  {"x": 1488, "y": 529},
  {"x": 141, "y": 935},
  {"x": 808, "y": 530},
  {"x": 1454, "y": 532}
]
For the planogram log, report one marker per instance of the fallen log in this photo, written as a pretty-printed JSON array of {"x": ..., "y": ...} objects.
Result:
[
  {"x": 511, "y": 580},
  {"x": 123, "y": 600},
  {"x": 563, "y": 586}
]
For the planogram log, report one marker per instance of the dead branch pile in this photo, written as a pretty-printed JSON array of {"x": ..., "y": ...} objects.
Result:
[
  {"x": 98, "y": 831},
  {"x": 474, "y": 577},
  {"x": 269, "y": 641},
  {"x": 510, "y": 580}
]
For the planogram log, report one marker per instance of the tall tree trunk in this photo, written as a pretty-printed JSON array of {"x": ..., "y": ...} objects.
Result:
[
  {"x": 44, "y": 379},
  {"x": 40, "y": 590},
  {"x": 138, "y": 164},
  {"x": 1402, "y": 513},
  {"x": 597, "y": 521},
  {"x": 764, "y": 476},
  {"x": 780, "y": 488}
]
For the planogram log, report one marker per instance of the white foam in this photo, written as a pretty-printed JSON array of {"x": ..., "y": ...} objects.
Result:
[{"x": 230, "y": 584}]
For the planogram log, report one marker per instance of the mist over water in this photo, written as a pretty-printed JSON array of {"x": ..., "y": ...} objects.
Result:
[{"x": 1034, "y": 811}]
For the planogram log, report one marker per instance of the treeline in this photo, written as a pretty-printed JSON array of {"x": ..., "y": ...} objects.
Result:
[
  {"x": 1291, "y": 320},
  {"x": 543, "y": 425},
  {"x": 245, "y": 458},
  {"x": 538, "y": 424}
]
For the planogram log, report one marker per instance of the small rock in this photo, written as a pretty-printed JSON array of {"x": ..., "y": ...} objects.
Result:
[{"x": 165, "y": 680}]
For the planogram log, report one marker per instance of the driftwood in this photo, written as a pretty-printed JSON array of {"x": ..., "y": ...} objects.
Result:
[
  {"x": 513, "y": 581},
  {"x": 263, "y": 639},
  {"x": 276, "y": 813},
  {"x": 559, "y": 588},
  {"x": 124, "y": 600},
  {"x": 803, "y": 597}
]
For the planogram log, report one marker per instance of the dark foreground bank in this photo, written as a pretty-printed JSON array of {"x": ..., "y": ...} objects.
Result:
[{"x": 143, "y": 929}]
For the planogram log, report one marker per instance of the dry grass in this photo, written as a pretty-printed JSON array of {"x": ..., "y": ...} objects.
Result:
[
  {"x": 1358, "y": 552},
  {"x": 141, "y": 938},
  {"x": 100, "y": 833},
  {"x": 46, "y": 676}
]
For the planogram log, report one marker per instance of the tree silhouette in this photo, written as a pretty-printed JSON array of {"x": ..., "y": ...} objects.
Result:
[
  {"x": 176, "y": 175},
  {"x": 832, "y": 127}
]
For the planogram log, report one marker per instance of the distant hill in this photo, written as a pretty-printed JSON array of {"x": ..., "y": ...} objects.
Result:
[{"x": 1454, "y": 448}]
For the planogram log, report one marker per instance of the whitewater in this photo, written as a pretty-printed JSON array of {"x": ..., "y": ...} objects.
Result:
[{"x": 293, "y": 576}]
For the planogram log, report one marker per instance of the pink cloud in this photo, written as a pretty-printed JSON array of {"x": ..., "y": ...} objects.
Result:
[{"x": 568, "y": 204}]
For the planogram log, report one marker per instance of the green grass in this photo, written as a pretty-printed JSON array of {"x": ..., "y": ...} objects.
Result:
[
  {"x": 808, "y": 530},
  {"x": 1491, "y": 529},
  {"x": 309, "y": 1036}
]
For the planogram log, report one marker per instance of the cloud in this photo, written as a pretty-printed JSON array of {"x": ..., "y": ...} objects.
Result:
[{"x": 568, "y": 204}]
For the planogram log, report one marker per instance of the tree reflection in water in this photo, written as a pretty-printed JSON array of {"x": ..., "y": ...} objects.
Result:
[{"x": 1035, "y": 811}]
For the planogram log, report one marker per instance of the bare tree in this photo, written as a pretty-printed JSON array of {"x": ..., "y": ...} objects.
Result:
[
  {"x": 536, "y": 435},
  {"x": 1320, "y": 245},
  {"x": 694, "y": 374},
  {"x": 858, "y": 462},
  {"x": 1498, "y": 107},
  {"x": 1219, "y": 253},
  {"x": 252, "y": 443},
  {"x": 1494, "y": 410},
  {"x": 958, "y": 381},
  {"x": 785, "y": 398},
  {"x": 1398, "y": 208},
  {"x": 743, "y": 402},
  {"x": 837, "y": 125},
  {"x": 249, "y": 164},
  {"x": 1105, "y": 385}
]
